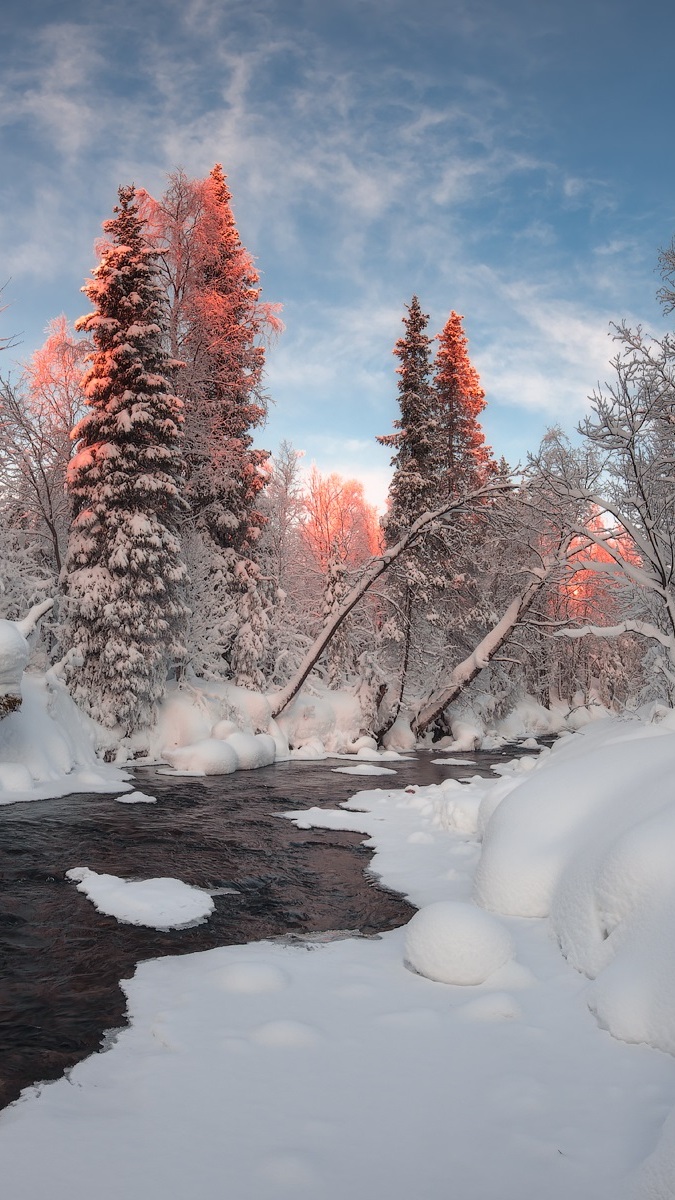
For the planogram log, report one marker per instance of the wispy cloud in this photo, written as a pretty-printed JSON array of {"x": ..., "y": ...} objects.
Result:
[{"x": 395, "y": 157}]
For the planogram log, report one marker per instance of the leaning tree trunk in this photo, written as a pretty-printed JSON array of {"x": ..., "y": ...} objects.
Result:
[
  {"x": 375, "y": 568},
  {"x": 466, "y": 671}
]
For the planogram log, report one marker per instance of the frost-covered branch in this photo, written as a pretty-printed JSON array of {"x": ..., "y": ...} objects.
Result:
[{"x": 644, "y": 628}]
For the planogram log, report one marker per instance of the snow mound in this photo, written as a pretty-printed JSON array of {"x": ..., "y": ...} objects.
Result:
[
  {"x": 364, "y": 768},
  {"x": 252, "y": 749},
  {"x": 400, "y": 737},
  {"x": 157, "y": 903},
  {"x": 136, "y": 798},
  {"x": 210, "y": 756},
  {"x": 452, "y": 942},
  {"x": 459, "y": 804},
  {"x": 587, "y": 839},
  {"x": 454, "y": 762}
]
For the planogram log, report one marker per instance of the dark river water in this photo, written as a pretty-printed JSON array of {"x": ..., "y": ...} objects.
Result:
[{"x": 61, "y": 960}]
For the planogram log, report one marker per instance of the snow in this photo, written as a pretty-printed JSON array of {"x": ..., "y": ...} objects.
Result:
[
  {"x": 209, "y": 756},
  {"x": 47, "y": 747},
  {"x": 14, "y": 652},
  {"x": 400, "y": 736},
  {"x": 252, "y": 750},
  {"x": 136, "y": 798},
  {"x": 157, "y": 903},
  {"x": 332, "y": 719},
  {"x": 453, "y": 942},
  {"x": 454, "y": 762},
  {"x": 323, "y": 1066},
  {"x": 365, "y": 768}
]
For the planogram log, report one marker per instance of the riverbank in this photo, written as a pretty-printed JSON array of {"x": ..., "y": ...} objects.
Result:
[{"x": 325, "y": 1067}]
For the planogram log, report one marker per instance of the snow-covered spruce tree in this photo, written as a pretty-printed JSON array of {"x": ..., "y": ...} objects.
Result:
[
  {"x": 465, "y": 556},
  {"x": 218, "y": 327},
  {"x": 412, "y": 487},
  {"x": 413, "y": 584},
  {"x": 464, "y": 461},
  {"x": 124, "y": 572}
]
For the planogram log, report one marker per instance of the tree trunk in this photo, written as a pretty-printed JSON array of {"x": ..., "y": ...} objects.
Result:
[{"x": 466, "y": 671}]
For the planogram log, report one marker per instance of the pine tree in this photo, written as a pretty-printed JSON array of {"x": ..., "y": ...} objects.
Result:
[
  {"x": 464, "y": 462},
  {"x": 124, "y": 573}
]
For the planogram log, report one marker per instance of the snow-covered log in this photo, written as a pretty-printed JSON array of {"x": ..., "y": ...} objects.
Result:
[
  {"x": 374, "y": 569},
  {"x": 14, "y": 653}
]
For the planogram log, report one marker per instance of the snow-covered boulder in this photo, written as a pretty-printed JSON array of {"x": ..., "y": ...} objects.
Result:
[
  {"x": 210, "y": 756},
  {"x": 452, "y": 942},
  {"x": 252, "y": 749}
]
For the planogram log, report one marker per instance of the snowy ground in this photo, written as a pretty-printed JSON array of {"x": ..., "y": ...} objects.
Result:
[{"x": 329, "y": 1069}]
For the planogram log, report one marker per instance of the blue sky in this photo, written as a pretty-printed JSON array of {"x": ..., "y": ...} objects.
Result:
[{"x": 510, "y": 159}]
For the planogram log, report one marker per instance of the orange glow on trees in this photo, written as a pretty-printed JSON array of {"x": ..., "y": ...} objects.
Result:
[
  {"x": 465, "y": 462},
  {"x": 338, "y": 522}
]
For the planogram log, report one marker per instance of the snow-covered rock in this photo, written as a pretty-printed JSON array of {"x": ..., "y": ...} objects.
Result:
[
  {"x": 252, "y": 749},
  {"x": 452, "y": 942},
  {"x": 210, "y": 756}
]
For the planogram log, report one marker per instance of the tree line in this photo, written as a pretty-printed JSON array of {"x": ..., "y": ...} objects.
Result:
[{"x": 131, "y": 487}]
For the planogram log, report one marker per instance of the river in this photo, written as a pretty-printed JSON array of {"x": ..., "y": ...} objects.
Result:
[{"x": 61, "y": 960}]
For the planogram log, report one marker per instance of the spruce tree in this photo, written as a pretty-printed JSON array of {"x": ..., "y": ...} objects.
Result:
[
  {"x": 124, "y": 572},
  {"x": 413, "y": 490},
  {"x": 412, "y": 487},
  {"x": 218, "y": 328},
  {"x": 464, "y": 462},
  {"x": 224, "y": 324}
]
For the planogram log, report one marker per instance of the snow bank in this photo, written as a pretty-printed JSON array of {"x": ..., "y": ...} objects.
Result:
[
  {"x": 452, "y": 942},
  {"x": 157, "y": 903},
  {"x": 474, "y": 726},
  {"x": 47, "y": 747},
  {"x": 196, "y": 715},
  {"x": 588, "y": 839}
]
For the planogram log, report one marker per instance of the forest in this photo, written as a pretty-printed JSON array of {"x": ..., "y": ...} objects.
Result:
[{"x": 134, "y": 495}]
